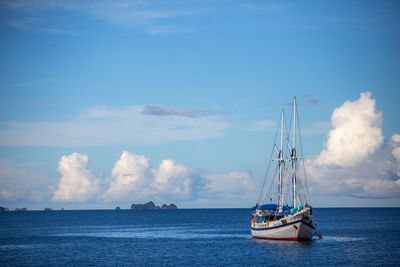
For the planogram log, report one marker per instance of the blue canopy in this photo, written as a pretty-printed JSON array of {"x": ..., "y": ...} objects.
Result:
[{"x": 271, "y": 207}]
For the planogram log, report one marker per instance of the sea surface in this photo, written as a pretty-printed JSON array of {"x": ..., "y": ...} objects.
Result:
[{"x": 193, "y": 237}]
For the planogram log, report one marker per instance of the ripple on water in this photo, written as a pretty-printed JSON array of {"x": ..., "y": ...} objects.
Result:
[
  {"x": 342, "y": 238},
  {"x": 157, "y": 232},
  {"x": 21, "y": 246}
]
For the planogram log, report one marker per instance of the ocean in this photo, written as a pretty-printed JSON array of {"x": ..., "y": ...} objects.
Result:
[{"x": 193, "y": 237}]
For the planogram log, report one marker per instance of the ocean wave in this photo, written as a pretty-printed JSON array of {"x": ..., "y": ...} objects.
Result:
[
  {"x": 342, "y": 238},
  {"x": 156, "y": 233}
]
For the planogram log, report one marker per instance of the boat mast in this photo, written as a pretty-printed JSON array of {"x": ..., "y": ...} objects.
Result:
[
  {"x": 280, "y": 167},
  {"x": 294, "y": 152}
]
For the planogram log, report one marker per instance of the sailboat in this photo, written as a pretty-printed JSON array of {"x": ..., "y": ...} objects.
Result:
[{"x": 283, "y": 210}]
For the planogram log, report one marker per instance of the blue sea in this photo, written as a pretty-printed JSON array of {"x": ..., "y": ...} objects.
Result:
[{"x": 193, "y": 237}]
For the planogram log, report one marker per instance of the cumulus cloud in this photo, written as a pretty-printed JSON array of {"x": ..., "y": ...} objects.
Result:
[
  {"x": 77, "y": 183},
  {"x": 176, "y": 179},
  {"x": 130, "y": 178},
  {"x": 396, "y": 151},
  {"x": 356, "y": 133},
  {"x": 102, "y": 125},
  {"x": 396, "y": 138},
  {"x": 357, "y": 161},
  {"x": 133, "y": 178}
]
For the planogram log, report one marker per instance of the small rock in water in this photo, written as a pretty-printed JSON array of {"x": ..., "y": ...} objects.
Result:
[
  {"x": 20, "y": 209},
  {"x": 169, "y": 207}
]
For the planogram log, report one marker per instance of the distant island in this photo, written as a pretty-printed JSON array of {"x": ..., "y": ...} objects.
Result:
[
  {"x": 21, "y": 209},
  {"x": 151, "y": 206}
]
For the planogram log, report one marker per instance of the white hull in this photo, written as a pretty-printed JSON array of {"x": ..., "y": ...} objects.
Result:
[
  {"x": 299, "y": 226},
  {"x": 296, "y": 231}
]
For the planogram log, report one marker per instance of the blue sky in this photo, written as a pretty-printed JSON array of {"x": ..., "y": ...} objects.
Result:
[{"x": 198, "y": 82}]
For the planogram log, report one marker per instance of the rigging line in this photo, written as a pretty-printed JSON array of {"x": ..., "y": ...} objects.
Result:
[
  {"x": 294, "y": 174},
  {"x": 265, "y": 178},
  {"x": 269, "y": 163},
  {"x": 305, "y": 179},
  {"x": 301, "y": 151},
  {"x": 271, "y": 183},
  {"x": 287, "y": 180},
  {"x": 301, "y": 186},
  {"x": 287, "y": 135},
  {"x": 290, "y": 150},
  {"x": 269, "y": 186},
  {"x": 272, "y": 152},
  {"x": 276, "y": 191},
  {"x": 276, "y": 149},
  {"x": 299, "y": 174},
  {"x": 290, "y": 124}
]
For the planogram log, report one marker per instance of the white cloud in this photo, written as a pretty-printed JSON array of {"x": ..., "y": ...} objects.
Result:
[
  {"x": 357, "y": 161},
  {"x": 11, "y": 195},
  {"x": 131, "y": 177},
  {"x": 316, "y": 128},
  {"x": 31, "y": 24},
  {"x": 355, "y": 134},
  {"x": 102, "y": 125},
  {"x": 234, "y": 185},
  {"x": 262, "y": 125},
  {"x": 161, "y": 111},
  {"x": 134, "y": 179},
  {"x": 77, "y": 183},
  {"x": 396, "y": 138},
  {"x": 150, "y": 16},
  {"x": 175, "y": 179},
  {"x": 396, "y": 151},
  {"x": 18, "y": 184}
]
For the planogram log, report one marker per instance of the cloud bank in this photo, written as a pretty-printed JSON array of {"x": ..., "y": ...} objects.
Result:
[
  {"x": 20, "y": 185},
  {"x": 103, "y": 125},
  {"x": 149, "y": 16},
  {"x": 161, "y": 111},
  {"x": 262, "y": 125},
  {"x": 357, "y": 161},
  {"x": 230, "y": 186},
  {"x": 134, "y": 179}
]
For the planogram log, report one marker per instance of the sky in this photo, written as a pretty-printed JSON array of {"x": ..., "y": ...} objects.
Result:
[{"x": 108, "y": 103}]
